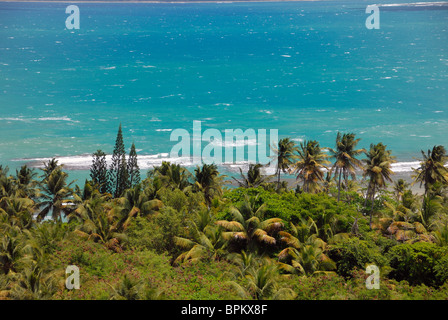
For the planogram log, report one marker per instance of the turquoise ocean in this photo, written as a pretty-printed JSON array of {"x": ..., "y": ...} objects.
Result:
[{"x": 307, "y": 69}]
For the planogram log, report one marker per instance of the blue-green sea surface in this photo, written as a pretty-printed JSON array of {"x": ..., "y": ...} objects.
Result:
[{"x": 307, "y": 69}]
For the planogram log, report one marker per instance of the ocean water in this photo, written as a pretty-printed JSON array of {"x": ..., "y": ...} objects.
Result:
[{"x": 307, "y": 69}]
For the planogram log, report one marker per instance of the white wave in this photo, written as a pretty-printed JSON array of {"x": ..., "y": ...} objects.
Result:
[
  {"x": 223, "y": 104},
  {"x": 12, "y": 119},
  {"x": 164, "y": 129},
  {"x": 405, "y": 166},
  {"x": 234, "y": 143},
  {"x": 63, "y": 118},
  {"x": 414, "y": 4},
  {"x": 108, "y": 68},
  {"x": 171, "y": 95},
  {"x": 145, "y": 162},
  {"x": 84, "y": 161}
]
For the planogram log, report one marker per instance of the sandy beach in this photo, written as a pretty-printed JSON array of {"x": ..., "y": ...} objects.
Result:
[{"x": 406, "y": 176}]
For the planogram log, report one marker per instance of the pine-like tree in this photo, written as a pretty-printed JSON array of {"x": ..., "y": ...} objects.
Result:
[
  {"x": 133, "y": 169},
  {"x": 98, "y": 172},
  {"x": 118, "y": 172},
  {"x": 123, "y": 177}
]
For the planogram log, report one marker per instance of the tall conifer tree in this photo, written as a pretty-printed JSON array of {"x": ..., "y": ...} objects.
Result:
[
  {"x": 98, "y": 171},
  {"x": 133, "y": 169},
  {"x": 118, "y": 172}
]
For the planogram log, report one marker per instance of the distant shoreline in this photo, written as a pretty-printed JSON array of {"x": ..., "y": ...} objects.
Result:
[{"x": 406, "y": 176}]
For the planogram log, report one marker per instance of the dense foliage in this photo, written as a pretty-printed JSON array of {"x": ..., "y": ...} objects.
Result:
[{"x": 178, "y": 234}]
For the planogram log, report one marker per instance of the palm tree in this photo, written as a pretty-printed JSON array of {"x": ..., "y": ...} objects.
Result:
[
  {"x": 345, "y": 158},
  {"x": 398, "y": 212},
  {"x": 284, "y": 155},
  {"x": 400, "y": 187},
  {"x": 254, "y": 177},
  {"x": 49, "y": 167},
  {"x": 134, "y": 289},
  {"x": 127, "y": 289},
  {"x": 430, "y": 211},
  {"x": 47, "y": 235},
  {"x": 208, "y": 181},
  {"x": 432, "y": 168},
  {"x": 307, "y": 258},
  {"x": 244, "y": 261},
  {"x": 248, "y": 225},
  {"x": 299, "y": 233},
  {"x": 205, "y": 240},
  {"x": 18, "y": 211},
  {"x": 262, "y": 282},
  {"x": 378, "y": 169},
  {"x": 134, "y": 202},
  {"x": 7, "y": 186},
  {"x": 172, "y": 175},
  {"x": 96, "y": 220},
  {"x": 410, "y": 201},
  {"x": 12, "y": 251},
  {"x": 55, "y": 194},
  {"x": 310, "y": 165},
  {"x": 441, "y": 234},
  {"x": 34, "y": 283},
  {"x": 304, "y": 253},
  {"x": 26, "y": 185}
]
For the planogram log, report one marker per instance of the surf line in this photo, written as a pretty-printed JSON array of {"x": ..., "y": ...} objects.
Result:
[{"x": 234, "y": 140}]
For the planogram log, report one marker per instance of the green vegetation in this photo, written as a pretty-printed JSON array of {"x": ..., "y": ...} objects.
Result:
[{"x": 177, "y": 234}]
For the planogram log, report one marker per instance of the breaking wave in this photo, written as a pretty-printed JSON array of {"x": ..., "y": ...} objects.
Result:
[{"x": 83, "y": 162}]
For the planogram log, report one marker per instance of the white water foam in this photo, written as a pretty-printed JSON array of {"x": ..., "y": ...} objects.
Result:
[
  {"x": 415, "y": 4},
  {"x": 63, "y": 118},
  {"x": 405, "y": 166},
  {"x": 235, "y": 143},
  {"x": 83, "y": 162}
]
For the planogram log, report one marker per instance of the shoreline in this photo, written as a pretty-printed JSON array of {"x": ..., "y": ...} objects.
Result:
[
  {"x": 406, "y": 176},
  {"x": 229, "y": 171},
  {"x": 81, "y": 164}
]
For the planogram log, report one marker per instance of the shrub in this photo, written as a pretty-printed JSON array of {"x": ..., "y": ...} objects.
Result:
[
  {"x": 140, "y": 233},
  {"x": 353, "y": 253},
  {"x": 419, "y": 263},
  {"x": 441, "y": 270},
  {"x": 157, "y": 233},
  {"x": 290, "y": 206}
]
